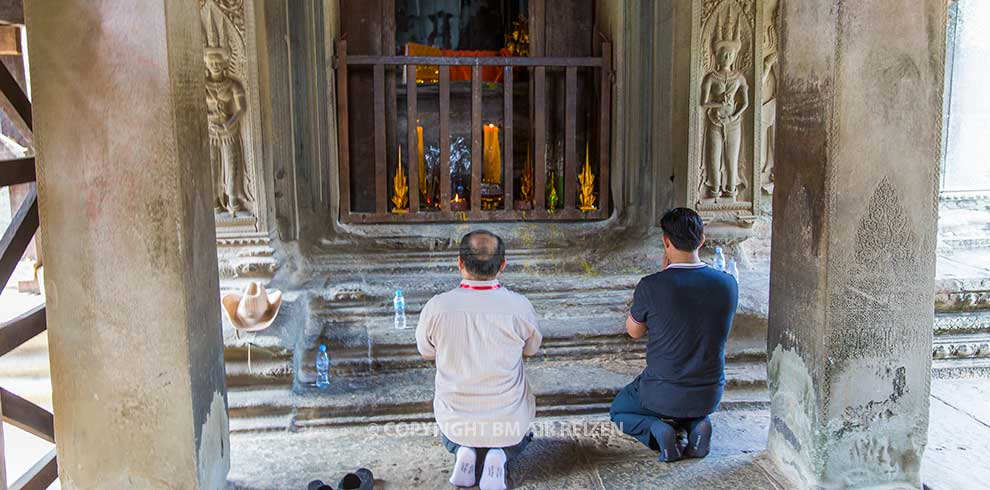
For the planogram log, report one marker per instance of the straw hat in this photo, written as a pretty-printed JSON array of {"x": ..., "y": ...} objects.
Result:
[{"x": 253, "y": 310}]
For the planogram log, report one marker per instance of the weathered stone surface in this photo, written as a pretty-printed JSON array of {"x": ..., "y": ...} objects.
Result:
[
  {"x": 129, "y": 244},
  {"x": 572, "y": 453},
  {"x": 853, "y": 240},
  {"x": 584, "y": 453}
]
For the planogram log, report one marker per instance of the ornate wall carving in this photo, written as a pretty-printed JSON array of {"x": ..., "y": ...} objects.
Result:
[
  {"x": 233, "y": 113},
  {"x": 769, "y": 86},
  {"x": 879, "y": 292},
  {"x": 726, "y": 128}
]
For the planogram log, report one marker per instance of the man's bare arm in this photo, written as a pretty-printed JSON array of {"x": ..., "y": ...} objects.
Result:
[{"x": 636, "y": 330}]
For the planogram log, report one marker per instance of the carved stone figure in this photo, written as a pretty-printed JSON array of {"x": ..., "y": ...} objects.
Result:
[
  {"x": 226, "y": 104},
  {"x": 769, "y": 96},
  {"x": 725, "y": 97}
]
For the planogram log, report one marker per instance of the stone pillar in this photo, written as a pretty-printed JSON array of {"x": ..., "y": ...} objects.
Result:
[
  {"x": 853, "y": 259},
  {"x": 129, "y": 243}
]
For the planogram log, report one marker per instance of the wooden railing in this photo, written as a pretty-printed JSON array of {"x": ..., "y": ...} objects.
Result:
[
  {"x": 16, "y": 410},
  {"x": 540, "y": 206}
]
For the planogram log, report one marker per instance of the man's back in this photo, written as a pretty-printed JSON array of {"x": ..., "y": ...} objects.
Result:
[
  {"x": 688, "y": 310},
  {"x": 478, "y": 334}
]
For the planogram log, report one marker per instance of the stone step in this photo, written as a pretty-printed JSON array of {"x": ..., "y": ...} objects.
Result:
[
  {"x": 561, "y": 387},
  {"x": 381, "y": 350},
  {"x": 391, "y": 349},
  {"x": 259, "y": 374}
]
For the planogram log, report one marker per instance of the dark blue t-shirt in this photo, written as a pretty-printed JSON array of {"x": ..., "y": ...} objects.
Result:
[{"x": 688, "y": 312}]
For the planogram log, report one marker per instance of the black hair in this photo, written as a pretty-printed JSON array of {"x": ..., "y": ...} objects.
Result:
[
  {"x": 684, "y": 228},
  {"x": 482, "y": 253}
]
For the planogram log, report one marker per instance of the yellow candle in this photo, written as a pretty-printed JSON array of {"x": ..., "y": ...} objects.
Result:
[
  {"x": 422, "y": 160},
  {"x": 492, "y": 169}
]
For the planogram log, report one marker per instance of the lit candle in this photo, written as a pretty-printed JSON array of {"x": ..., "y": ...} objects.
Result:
[
  {"x": 492, "y": 169},
  {"x": 422, "y": 160}
]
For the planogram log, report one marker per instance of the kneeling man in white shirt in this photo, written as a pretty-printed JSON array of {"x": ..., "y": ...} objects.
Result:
[{"x": 478, "y": 334}]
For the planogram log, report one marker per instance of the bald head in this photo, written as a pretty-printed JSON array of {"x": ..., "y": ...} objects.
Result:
[{"x": 482, "y": 254}]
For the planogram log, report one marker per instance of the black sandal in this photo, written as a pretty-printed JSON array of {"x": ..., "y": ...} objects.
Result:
[{"x": 361, "y": 479}]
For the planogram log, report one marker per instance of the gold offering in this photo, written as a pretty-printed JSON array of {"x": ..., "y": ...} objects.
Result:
[
  {"x": 552, "y": 198},
  {"x": 526, "y": 180},
  {"x": 400, "y": 189},
  {"x": 587, "y": 180}
]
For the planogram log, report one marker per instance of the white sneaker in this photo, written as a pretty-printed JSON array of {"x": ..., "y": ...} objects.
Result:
[
  {"x": 493, "y": 476},
  {"x": 463, "y": 473}
]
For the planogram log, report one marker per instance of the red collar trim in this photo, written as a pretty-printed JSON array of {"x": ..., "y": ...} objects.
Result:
[{"x": 480, "y": 288}]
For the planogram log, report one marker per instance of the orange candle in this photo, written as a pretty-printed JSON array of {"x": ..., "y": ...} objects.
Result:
[
  {"x": 422, "y": 160},
  {"x": 492, "y": 169}
]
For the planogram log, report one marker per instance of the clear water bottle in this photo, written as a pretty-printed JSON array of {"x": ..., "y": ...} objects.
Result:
[
  {"x": 322, "y": 367},
  {"x": 718, "y": 263},
  {"x": 733, "y": 270},
  {"x": 400, "y": 309}
]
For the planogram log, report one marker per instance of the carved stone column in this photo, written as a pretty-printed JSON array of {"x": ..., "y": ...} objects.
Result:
[
  {"x": 129, "y": 244},
  {"x": 853, "y": 262}
]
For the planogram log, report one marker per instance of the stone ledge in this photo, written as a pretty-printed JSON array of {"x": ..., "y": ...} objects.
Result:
[{"x": 560, "y": 387}]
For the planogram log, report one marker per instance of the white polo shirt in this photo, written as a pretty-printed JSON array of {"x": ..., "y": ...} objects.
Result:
[{"x": 478, "y": 334}]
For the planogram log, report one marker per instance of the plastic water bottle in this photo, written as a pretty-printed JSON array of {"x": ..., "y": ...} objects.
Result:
[
  {"x": 733, "y": 270},
  {"x": 400, "y": 309},
  {"x": 719, "y": 262},
  {"x": 322, "y": 367}
]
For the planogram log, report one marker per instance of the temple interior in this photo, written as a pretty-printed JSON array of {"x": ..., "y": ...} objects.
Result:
[{"x": 835, "y": 152}]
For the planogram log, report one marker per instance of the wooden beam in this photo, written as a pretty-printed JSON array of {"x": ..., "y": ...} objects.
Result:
[
  {"x": 10, "y": 40},
  {"x": 40, "y": 476},
  {"x": 477, "y": 158},
  {"x": 3, "y": 455},
  {"x": 15, "y": 104},
  {"x": 27, "y": 416},
  {"x": 343, "y": 132},
  {"x": 445, "y": 139},
  {"x": 507, "y": 113},
  {"x": 570, "y": 137},
  {"x": 24, "y": 327},
  {"x": 381, "y": 161},
  {"x": 540, "y": 137},
  {"x": 17, "y": 171},
  {"x": 604, "y": 127},
  {"x": 476, "y": 60},
  {"x": 18, "y": 235},
  {"x": 411, "y": 141},
  {"x": 12, "y": 11}
]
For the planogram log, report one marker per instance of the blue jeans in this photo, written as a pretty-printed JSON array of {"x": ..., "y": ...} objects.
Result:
[
  {"x": 633, "y": 419},
  {"x": 510, "y": 452}
]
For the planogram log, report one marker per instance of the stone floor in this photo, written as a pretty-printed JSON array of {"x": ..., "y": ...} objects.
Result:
[
  {"x": 573, "y": 453},
  {"x": 586, "y": 453}
]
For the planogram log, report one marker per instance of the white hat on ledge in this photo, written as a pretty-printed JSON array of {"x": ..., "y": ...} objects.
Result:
[{"x": 252, "y": 311}]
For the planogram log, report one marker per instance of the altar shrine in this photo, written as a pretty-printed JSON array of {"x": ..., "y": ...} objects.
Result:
[{"x": 351, "y": 143}]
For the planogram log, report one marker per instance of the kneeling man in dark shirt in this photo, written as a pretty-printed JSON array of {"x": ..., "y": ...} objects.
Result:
[{"x": 687, "y": 310}]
